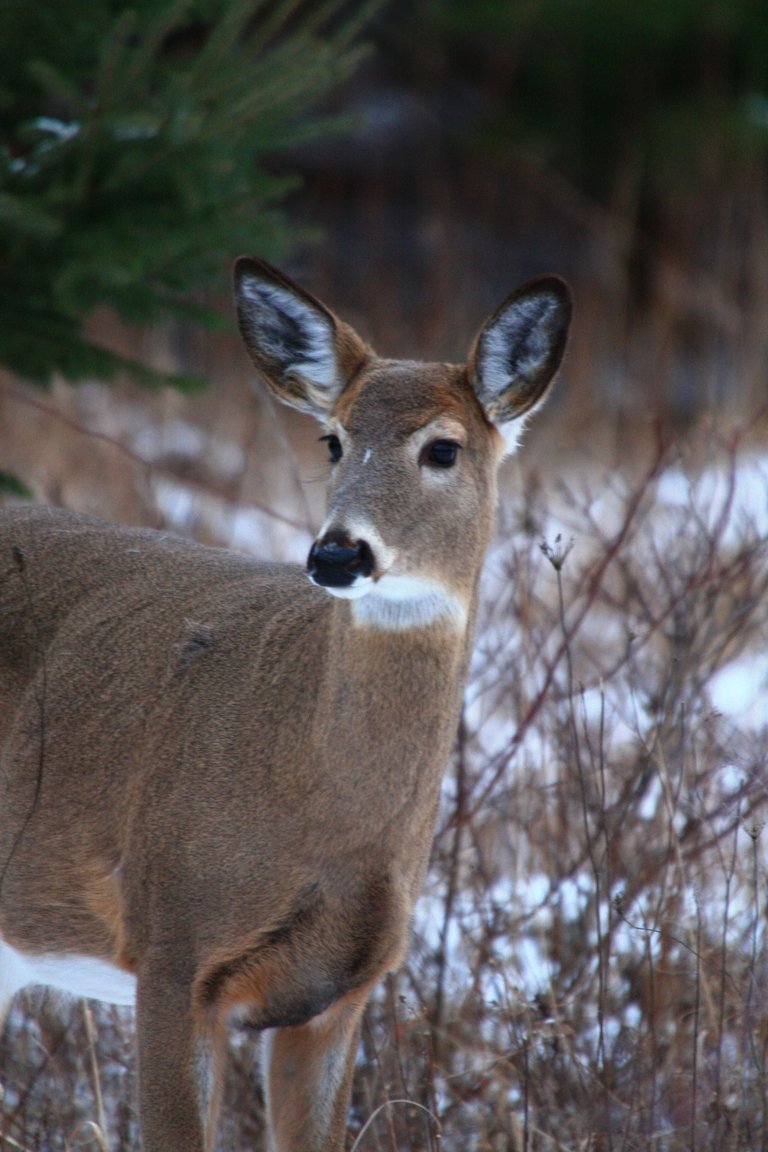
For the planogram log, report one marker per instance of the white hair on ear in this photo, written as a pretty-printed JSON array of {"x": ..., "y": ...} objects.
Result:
[
  {"x": 517, "y": 354},
  {"x": 511, "y": 433},
  {"x": 517, "y": 345},
  {"x": 291, "y": 332}
]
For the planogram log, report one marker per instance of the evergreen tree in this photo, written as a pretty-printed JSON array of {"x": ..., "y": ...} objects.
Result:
[{"x": 132, "y": 161}]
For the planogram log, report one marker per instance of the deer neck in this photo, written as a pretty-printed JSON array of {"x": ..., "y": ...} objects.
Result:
[
  {"x": 387, "y": 712},
  {"x": 396, "y": 675}
]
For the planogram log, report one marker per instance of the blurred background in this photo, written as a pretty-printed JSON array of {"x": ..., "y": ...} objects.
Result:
[{"x": 411, "y": 162}]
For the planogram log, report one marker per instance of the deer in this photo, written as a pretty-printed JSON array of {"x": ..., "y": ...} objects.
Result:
[{"x": 219, "y": 777}]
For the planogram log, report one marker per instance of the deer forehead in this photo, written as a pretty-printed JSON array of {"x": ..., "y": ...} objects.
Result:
[{"x": 403, "y": 398}]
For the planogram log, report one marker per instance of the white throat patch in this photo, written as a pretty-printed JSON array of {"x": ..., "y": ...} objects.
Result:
[{"x": 398, "y": 603}]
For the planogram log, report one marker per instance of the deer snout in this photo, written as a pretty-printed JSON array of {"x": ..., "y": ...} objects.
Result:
[{"x": 335, "y": 561}]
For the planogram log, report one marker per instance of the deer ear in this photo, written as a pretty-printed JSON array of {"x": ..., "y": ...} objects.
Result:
[
  {"x": 304, "y": 353},
  {"x": 517, "y": 353}
]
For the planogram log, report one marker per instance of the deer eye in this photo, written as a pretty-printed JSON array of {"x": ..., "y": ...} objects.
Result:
[
  {"x": 335, "y": 450},
  {"x": 440, "y": 453}
]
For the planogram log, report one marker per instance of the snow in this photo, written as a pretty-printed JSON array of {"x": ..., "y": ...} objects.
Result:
[
  {"x": 740, "y": 689},
  {"x": 59, "y": 129},
  {"x": 710, "y": 491}
]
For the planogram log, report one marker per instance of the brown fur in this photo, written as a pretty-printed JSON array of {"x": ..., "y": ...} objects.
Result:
[{"x": 213, "y": 775}]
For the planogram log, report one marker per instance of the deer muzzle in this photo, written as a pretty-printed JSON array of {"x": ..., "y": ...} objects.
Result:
[{"x": 335, "y": 561}]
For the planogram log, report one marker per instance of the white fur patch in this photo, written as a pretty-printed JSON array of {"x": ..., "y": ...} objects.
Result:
[
  {"x": 12, "y": 976},
  {"x": 397, "y": 603},
  {"x": 511, "y": 432},
  {"x": 77, "y": 975},
  {"x": 356, "y": 591}
]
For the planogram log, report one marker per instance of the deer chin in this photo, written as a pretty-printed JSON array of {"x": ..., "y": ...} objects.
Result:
[{"x": 361, "y": 587}]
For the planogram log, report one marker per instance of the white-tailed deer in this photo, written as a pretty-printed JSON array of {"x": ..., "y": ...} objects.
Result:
[{"x": 219, "y": 778}]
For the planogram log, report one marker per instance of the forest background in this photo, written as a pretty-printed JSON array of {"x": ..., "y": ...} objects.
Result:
[{"x": 589, "y": 967}]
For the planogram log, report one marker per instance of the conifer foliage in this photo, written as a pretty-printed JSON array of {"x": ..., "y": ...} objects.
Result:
[{"x": 137, "y": 149}]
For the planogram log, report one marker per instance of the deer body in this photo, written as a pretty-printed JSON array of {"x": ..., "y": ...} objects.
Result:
[{"x": 218, "y": 783}]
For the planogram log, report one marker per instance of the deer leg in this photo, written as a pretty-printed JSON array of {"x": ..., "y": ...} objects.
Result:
[
  {"x": 178, "y": 1068},
  {"x": 308, "y": 1074}
]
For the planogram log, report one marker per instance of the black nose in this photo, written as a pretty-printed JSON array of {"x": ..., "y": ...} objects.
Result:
[{"x": 335, "y": 561}]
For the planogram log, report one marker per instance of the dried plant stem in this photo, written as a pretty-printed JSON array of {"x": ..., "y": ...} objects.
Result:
[
  {"x": 695, "y": 1036},
  {"x": 100, "y": 1129},
  {"x": 387, "y": 1105}
]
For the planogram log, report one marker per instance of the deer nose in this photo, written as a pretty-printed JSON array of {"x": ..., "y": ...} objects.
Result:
[{"x": 335, "y": 561}]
